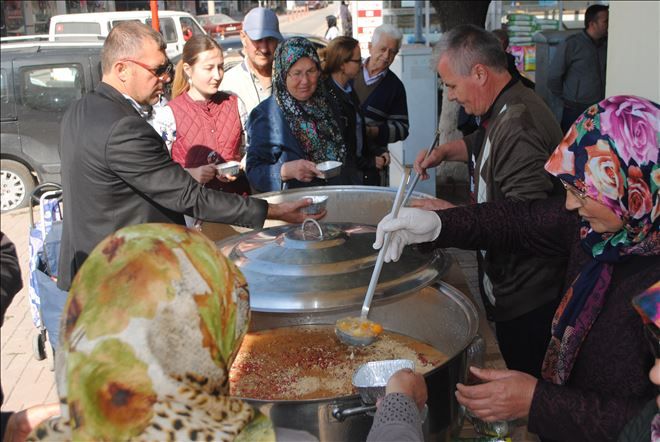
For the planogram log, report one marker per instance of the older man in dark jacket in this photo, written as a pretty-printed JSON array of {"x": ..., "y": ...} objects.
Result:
[{"x": 506, "y": 156}]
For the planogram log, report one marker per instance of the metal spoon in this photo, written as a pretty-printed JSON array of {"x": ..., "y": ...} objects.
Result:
[{"x": 345, "y": 336}]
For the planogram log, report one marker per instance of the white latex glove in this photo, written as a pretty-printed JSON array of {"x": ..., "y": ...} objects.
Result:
[{"x": 412, "y": 226}]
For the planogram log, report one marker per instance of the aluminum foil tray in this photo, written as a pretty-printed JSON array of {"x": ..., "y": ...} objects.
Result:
[{"x": 371, "y": 378}]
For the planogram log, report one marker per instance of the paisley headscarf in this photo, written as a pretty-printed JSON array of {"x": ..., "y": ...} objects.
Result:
[
  {"x": 611, "y": 155},
  {"x": 312, "y": 123},
  {"x": 153, "y": 321}
]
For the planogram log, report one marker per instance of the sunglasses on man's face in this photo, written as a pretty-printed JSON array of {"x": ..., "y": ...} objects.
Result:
[{"x": 162, "y": 72}]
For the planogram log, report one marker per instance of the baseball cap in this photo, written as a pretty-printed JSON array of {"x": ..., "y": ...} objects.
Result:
[{"x": 261, "y": 23}]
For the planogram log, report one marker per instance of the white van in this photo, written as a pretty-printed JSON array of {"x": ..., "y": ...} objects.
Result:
[{"x": 177, "y": 27}]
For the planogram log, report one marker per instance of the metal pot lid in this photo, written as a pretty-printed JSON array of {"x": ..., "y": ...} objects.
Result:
[{"x": 317, "y": 266}]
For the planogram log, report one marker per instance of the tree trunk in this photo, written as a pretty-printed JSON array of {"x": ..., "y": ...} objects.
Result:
[
  {"x": 451, "y": 14},
  {"x": 454, "y": 13}
]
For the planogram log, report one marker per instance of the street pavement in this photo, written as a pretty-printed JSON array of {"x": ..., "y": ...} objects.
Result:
[
  {"x": 310, "y": 22},
  {"x": 25, "y": 381}
]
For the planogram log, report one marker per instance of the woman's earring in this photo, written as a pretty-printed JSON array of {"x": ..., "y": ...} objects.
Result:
[{"x": 190, "y": 81}]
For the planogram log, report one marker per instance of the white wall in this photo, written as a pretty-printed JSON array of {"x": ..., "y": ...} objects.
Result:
[{"x": 633, "y": 52}]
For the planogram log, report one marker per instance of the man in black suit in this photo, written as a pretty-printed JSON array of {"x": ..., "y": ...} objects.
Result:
[{"x": 116, "y": 170}]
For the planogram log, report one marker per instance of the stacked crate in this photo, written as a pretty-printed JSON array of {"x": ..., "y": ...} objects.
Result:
[{"x": 521, "y": 28}]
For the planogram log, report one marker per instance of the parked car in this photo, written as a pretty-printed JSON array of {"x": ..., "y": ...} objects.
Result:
[
  {"x": 176, "y": 26},
  {"x": 220, "y": 25},
  {"x": 38, "y": 81}
]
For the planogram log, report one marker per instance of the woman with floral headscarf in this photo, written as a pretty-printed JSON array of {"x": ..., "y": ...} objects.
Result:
[
  {"x": 153, "y": 321},
  {"x": 294, "y": 129},
  {"x": 595, "y": 373}
]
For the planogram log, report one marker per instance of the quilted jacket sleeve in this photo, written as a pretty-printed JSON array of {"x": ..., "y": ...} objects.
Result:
[{"x": 265, "y": 146}]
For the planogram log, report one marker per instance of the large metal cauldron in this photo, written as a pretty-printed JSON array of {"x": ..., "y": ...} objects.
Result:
[
  {"x": 439, "y": 315},
  {"x": 298, "y": 279}
]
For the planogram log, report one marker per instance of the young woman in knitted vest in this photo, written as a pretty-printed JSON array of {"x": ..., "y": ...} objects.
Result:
[{"x": 201, "y": 126}]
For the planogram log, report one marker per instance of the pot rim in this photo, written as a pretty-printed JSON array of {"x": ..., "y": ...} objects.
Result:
[{"x": 299, "y": 190}]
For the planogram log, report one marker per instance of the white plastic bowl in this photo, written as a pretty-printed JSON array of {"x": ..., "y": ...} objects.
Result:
[
  {"x": 231, "y": 168},
  {"x": 329, "y": 169}
]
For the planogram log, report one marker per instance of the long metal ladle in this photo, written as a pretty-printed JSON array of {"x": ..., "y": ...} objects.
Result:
[
  {"x": 368, "y": 338},
  {"x": 399, "y": 200}
]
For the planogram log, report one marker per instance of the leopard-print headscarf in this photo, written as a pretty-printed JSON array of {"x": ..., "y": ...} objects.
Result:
[{"x": 153, "y": 321}]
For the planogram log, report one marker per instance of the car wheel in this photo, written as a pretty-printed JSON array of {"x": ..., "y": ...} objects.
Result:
[{"x": 16, "y": 183}]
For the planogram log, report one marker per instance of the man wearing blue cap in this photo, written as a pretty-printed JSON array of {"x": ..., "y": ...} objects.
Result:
[{"x": 251, "y": 80}]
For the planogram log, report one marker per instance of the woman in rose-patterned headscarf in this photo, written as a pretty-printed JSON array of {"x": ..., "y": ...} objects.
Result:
[
  {"x": 608, "y": 163},
  {"x": 595, "y": 373}
]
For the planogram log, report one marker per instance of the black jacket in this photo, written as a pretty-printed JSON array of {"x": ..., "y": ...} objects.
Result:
[
  {"x": 11, "y": 283},
  {"x": 577, "y": 71},
  {"x": 518, "y": 135},
  {"x": 116, "y": 172}
]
